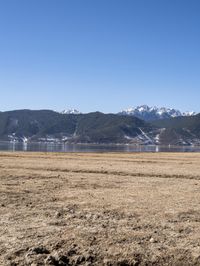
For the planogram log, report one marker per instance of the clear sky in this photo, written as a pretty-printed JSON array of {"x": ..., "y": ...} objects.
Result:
[{"x": 103, "y": 55}]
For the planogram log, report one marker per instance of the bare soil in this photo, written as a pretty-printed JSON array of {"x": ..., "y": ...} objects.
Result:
[{"x": 99, "y": 209}]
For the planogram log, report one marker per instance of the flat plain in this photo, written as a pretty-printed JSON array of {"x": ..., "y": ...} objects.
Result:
[{"x": 99, "y": 209}]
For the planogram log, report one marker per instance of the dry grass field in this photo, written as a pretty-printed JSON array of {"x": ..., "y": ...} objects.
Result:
[{"x": 99, "y": 209}]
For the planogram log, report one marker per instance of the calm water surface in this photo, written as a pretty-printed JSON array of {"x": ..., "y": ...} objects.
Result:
[{"x": 60, "y": 147}]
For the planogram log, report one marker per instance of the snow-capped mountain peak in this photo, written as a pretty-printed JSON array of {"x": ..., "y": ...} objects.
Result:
[
  {"x": 71, "y": 111},
  {"x": 187, "y": 113},
  {"x": 147, "y": 113}
]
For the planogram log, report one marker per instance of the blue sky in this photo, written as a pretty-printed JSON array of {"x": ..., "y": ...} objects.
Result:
[{"x": 99, "y": 54}]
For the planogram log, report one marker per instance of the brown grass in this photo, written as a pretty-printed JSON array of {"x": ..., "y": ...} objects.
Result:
[{"x": 99, "y": 209}]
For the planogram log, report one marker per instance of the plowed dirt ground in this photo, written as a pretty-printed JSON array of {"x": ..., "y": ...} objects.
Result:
[{"x": 99, "y": 209}]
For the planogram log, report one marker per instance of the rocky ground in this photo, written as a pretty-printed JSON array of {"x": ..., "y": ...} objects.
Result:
[{"x": 99, "y": 209}]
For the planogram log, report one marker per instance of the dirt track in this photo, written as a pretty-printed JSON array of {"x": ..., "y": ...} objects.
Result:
[{"x": 99, "y": 209}]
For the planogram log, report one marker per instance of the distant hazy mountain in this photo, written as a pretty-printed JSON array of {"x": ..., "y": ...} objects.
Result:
[{"x": 148, "y": 113}]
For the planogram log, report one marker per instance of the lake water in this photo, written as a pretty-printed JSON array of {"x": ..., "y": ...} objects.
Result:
[{"x": 60, "y": 147}]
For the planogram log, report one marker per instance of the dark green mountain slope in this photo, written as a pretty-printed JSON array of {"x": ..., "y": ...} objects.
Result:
[
  {"x": 105, "y": 128},
  {"x": 47, "y": 125},
  {"x": 179, "y": 130},
  {"x": 35, "y": 123},
  {"x": 92, "y": 128}
]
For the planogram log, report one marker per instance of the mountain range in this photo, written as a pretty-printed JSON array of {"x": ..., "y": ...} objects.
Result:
[
  {"x": 96, "y": 127},
  {"x": 145, "y": 112},
  {"x": 149, "y": 113}
]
